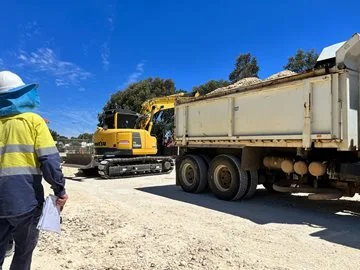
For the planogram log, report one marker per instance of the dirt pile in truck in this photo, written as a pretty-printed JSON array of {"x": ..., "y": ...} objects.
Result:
[
  {"x": 281, "y": 74},
  {"x": 241, "y": 83},
  {"x": 251, "y": 81}
]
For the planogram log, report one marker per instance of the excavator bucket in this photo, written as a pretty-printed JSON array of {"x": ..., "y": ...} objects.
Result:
[
  {"x": 78, "y": 153},
  {"x": 80, "y": 161}
]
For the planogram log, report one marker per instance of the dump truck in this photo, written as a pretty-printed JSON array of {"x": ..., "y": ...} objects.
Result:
[{"x": 295, "y": 134}]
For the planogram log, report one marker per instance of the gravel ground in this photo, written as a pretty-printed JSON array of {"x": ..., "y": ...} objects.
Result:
[{"x": 149, "y": 223}]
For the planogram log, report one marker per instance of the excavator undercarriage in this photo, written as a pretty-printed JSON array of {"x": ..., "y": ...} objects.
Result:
[
  {"x": 120, "y": 167},
  {"x": 135, "y": 166}
]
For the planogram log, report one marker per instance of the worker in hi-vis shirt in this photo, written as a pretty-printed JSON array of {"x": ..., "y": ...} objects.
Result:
[{"x": 27, "y": 154}]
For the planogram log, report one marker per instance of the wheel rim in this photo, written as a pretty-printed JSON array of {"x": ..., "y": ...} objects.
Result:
[
  {"x": 188, "y": 174},
  {"x": 222, "y": 178}
]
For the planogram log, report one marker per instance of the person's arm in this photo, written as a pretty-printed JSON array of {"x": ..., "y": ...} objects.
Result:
[{"x": 49, "y": 159}]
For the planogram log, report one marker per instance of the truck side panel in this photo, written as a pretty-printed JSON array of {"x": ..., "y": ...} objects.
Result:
[{"x": 277, "y": 110}]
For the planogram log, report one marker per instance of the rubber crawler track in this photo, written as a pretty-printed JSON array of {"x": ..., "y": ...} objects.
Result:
[{"x": 134, "y": 161}]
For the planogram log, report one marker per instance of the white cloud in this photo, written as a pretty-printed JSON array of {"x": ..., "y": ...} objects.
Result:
[
  {"x": 110, "y": 23},
  {"x": 85, "y": 49},
  {"x": 82, "y": 89},
  {"x": 45, "y": 60},
  {"x": 22, "y": 57},
  {"x": 31, "y": 30},
  {"x": 105, "y": 54},
  {"x": 60, "y": 82},
  {"x": 134, "y": 77}
]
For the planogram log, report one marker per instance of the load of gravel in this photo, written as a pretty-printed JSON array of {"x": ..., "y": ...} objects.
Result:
[
  {"x": 241, "y": 83},
  {"x": 281, "y": 74},
  {"x": 251, "y": 81}
]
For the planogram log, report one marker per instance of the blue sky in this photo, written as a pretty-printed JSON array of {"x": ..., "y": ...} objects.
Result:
[{"x": 81, "y": 52}]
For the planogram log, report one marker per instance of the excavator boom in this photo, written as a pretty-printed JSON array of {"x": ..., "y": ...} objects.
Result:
[{"x": 153, "y": 106}]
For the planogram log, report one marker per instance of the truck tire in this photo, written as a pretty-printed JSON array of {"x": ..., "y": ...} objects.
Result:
[
  {"x": 206, "y": 158},
  {"x": 192, "y": 174},
  {"x": 244, "y": 185},
  {"x": 253, "y": 183},
  {"x": 226, "y": 178}
]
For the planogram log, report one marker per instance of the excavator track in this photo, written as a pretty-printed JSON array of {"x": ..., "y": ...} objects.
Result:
[{"x": 137, "y": 166}]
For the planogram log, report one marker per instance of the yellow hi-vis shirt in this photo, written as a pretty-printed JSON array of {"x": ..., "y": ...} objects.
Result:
[{"x": 27, "y": 153}]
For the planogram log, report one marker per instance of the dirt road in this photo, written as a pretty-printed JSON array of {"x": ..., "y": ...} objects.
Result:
[{"x": 149, "y": 223}]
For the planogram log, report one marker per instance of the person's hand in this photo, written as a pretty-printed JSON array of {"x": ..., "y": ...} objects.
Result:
[{"x": 61, "y": 201}]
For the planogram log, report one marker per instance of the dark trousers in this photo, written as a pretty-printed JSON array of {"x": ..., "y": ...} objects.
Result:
[{"x": 23, "y": 230}]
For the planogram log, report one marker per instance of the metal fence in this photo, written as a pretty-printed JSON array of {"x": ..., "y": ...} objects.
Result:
[{"x": 75, "y": 146}]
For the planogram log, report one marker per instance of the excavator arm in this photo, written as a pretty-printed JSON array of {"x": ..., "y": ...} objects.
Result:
[{"x": 154, "y": 105}]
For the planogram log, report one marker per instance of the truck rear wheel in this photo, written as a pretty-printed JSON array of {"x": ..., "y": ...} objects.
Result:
[
  {"x": 244, "y": 180},
  {"x": 253, "y": 183},
  {"x": 226, "y": 179},
  {"x": 206, "y": 158},
  {"x": 192, "y": 174}
]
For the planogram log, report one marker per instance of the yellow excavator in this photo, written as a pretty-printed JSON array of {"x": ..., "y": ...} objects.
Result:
[{"x": 124, "y": 145}]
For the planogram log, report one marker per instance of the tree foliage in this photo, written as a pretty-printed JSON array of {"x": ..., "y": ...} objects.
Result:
[
  {"x": 163, "y": 127},
  {"x": 85, "y": 136},
  {"x": 57, "y": 137},
  {"x": 135, "y": 94},
  {"x": 245, "y": 66},
  {"x": 302, "y": 61},
  {"x": 210, "y": 86},
  {"x": 54, "y": 134}
]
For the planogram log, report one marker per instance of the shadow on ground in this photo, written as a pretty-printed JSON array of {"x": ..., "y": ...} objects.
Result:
[{"x": 340, "y": 219}]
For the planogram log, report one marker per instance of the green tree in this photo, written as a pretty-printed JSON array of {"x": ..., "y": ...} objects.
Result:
[
  {"x": 54, "y": 134},
  {"x": 164, "y": 124},
  {"x": 85, "y": 136},
  {"x": 245, "y": 66},
  {"x": 210, "y": 86},
  {"x": 135, "y": 94},
  {"x": 302, "y": 61}
]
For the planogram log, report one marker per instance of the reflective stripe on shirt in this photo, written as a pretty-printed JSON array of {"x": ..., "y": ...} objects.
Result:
[
  {"x": 20, "y": 148},
  {"x": 46, "y": 151},
  {"x": 19, "y": 171}
]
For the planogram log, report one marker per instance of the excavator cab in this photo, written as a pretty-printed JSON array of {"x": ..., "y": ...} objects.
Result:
[
  {"x": 120, "y": 137},
  {"x": 119, "y": 118}
]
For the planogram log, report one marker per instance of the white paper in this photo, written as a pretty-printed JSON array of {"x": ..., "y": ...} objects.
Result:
[{"x": 50, "y": 217}]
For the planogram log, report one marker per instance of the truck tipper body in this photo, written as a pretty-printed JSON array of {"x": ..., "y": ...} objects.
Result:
[{"x": 293, "y": 134}]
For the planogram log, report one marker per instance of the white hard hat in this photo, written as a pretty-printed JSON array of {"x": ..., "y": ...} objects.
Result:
[{"x": 10, "y": 81}]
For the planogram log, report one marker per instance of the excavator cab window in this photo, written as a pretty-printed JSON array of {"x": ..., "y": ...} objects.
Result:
[
  {"x": 126, "y": 120},
  {"x": 109, "y": 121}
]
